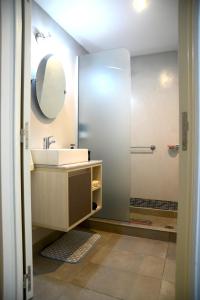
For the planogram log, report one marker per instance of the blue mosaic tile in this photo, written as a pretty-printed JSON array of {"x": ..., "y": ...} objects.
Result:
[{"x": 155, "y": 204}]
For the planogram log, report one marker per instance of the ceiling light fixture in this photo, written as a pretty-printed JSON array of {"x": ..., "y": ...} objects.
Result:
[{"x": 140, "y": 5}]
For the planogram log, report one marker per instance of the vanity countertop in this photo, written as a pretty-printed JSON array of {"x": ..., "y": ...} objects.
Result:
[{"x": 72, "y": 166}]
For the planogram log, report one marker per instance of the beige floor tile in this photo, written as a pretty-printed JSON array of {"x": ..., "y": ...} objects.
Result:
[
  {"x": 106, "y": 235},
  {"x": 152, "y": 266},
  {"x": 108, "y": 239},
  {"x": 120, "y": 285},
  {"x": 171, "y": 252},
  {"x": 67, "y": 271},
  {"x": 56, "y": 269},
  {"x": 167, "y": 291},
  {"x": 118, "y": 267},
  {"x": 47, "y": 288},
  {"x": 118, "y": 259},
  {"x": 169, "y": 270},
  {"x": 108, "y": 281},
  {"x": 142, "y": 246},
  {"x": 73, "y": 292},
  {"x": 91, "y": 295},
  {"x": 44, "y": 265},
  {"x": 131, "y": 262},
  {"x": 144, "y": 288}
]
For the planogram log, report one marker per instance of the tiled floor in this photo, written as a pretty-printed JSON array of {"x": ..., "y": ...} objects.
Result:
[{"x": 118, "y": 267}]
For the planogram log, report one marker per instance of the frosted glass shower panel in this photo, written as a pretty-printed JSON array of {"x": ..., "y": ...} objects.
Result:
[{"x": 104, "y": 124}]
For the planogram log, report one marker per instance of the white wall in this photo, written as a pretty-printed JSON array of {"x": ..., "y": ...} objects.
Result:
[
  {"x": 155, "y": 120},
  {"x": 63, "y": 128}
]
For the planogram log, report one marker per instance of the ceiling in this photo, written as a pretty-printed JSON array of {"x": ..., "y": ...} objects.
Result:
[{"x": 106, "y": 24}]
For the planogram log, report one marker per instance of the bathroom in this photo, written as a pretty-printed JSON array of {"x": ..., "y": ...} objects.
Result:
[{"x": 121, "y": 103}]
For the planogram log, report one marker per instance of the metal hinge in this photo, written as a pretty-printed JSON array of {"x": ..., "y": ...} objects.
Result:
[
  {"x": 24, "y": 135},
  {"x": 27, "y": 279}
]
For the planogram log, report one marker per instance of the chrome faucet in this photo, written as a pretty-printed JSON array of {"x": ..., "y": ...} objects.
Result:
[{"x": 47, "y": 141}]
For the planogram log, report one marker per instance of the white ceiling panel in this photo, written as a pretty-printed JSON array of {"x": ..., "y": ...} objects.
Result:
[{"x": 106, "y": 24}]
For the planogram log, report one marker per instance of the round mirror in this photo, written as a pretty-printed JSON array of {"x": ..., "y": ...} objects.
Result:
[{"x": 50, "y": 86}]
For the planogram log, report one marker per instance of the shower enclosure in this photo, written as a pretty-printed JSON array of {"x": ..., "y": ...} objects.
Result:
[{"x": 121, "y": 103}]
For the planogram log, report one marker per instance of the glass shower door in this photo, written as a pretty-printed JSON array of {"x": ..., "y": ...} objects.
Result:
[{"x": 104, "y": 124}]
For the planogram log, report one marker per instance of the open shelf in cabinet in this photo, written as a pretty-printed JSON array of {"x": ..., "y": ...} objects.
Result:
[
  {"x": 97, "y": 198},
  {"x": 96, "y": 183},
  {"x": 96, "y": 177}
]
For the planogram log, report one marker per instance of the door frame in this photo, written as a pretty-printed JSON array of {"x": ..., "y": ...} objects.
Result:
[
  {"x": 197, "y": 246},
  {"x": 11, "y": 253},
  {"x": 186, "y": 261},
  {"x": 25, "y": 149}
]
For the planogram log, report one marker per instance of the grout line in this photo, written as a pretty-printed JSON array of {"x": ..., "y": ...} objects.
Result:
[
  {"x": 164, "y": 269},
  {"x": 100, "y": 293},
  {"x": 160, "y": 289},
  {"x": 165, "y": 260}
]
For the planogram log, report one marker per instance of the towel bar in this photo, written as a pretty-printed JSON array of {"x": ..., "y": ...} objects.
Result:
[{"x": 152, "y": 147}]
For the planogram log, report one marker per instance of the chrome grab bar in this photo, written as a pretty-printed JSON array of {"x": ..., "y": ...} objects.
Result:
[{"x": 151, "y": 147}]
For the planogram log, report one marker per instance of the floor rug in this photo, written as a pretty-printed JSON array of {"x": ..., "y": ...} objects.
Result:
[{"x": 72, "y": 246}]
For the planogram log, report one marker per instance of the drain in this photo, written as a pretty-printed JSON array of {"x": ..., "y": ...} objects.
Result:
[{"x": 169, "y": 227}]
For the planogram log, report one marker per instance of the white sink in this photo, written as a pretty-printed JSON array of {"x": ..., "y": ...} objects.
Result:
[{"x": 56, "y": 157}]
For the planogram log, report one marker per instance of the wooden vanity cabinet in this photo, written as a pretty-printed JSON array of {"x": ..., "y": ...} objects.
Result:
[{"x": 62, "y": 198}]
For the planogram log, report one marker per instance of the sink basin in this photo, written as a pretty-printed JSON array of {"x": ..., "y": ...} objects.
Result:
[{"x": 57, "y": 157}]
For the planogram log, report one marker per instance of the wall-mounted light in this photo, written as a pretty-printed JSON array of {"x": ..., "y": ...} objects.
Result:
[
  {"x": 41, "y": 35},
  {"x": 40, "y": 47},
  {"x": 140, "y": 5},
  {"x": 43, "y": 43}
]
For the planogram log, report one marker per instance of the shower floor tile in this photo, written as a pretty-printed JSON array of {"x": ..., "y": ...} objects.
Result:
[{"x": 154, "y": 221}]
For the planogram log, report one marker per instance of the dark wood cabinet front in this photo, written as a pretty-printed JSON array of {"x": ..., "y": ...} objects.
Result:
[{"x": 79, "y": 193}]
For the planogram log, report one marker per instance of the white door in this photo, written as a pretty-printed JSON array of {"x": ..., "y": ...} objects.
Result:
[
  {"x": 26, "y": 179},
  {"x": 14, "y": 156},
  {"x": 11, "y": 256}
]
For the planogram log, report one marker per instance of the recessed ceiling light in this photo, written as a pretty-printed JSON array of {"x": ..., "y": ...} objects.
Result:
[{"x": 140, "y": 5}]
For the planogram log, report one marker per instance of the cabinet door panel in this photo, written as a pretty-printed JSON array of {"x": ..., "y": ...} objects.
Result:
[
  {"x": 49, "y": 199},
  {"x": 79, "y": 195}
]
